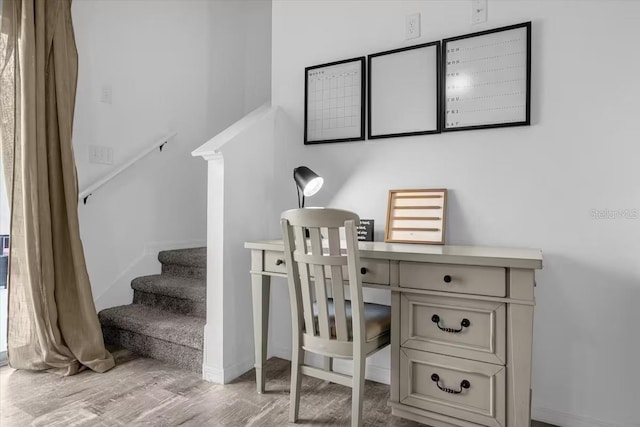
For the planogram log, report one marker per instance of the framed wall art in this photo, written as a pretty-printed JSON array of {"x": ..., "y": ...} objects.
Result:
[
  {"x": 334, "y": 102},
  {"x": 404, "y": 91},
  {"x": 487, "y": 79},
  {"x": 416, "y": 216}
]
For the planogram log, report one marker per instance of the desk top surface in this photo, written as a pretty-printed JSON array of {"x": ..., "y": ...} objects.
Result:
[{"x": 445, "y": 254}]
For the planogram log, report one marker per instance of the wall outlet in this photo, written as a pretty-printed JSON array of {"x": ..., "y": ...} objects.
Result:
[
  {"x": 478, "y": 11},
  {"x": 412, "y": 26},
  {"x": 100, "y": 154},
  {"x": 106, "y": 94}
]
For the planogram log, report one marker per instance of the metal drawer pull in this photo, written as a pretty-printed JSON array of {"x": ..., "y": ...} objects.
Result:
[
  {"x": 464, "y": 384},
  {"x": 363, "y": 270},
  {"x": 279, "y": 261},
  {"x": 447, "y": 279},
  {"x": 465, "y": 323}
]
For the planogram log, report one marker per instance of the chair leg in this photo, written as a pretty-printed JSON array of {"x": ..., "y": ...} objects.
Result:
[
  {"x": 357, "y": 393},
  {"x": 297, "y": 359}
]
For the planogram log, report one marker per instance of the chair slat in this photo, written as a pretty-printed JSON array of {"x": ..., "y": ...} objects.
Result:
[
  {"x": 320, "y": 259},
  {"x": 357, "y": 322},
  {"x": 337, "y": 285},
  {"x": 305, "y": 282},
  {"x": 320, "y": 286},
  {"x": 294, "y": 278}
]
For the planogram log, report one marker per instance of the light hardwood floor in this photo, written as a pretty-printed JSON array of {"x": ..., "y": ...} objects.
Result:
[{"x": 146, "y": 392}]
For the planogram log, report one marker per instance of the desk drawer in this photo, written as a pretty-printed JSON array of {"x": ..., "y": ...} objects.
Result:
[
  {"x": 423, "y": 374},
  {"x": 462, "y": 279},
  {"x": 274, "y": 262},
  {"x": 454, "y": 326},
  {"x": 375, "y": 270}
]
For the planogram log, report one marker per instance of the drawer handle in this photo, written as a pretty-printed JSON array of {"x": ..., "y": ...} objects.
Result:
[
  {"x": 279, "y": 261},
  {"x": 363, "y": 270},
  {"x": 447, "y": 278},
  {"x": 465, "y": 323},
  {"x": 464, "y": 384}
]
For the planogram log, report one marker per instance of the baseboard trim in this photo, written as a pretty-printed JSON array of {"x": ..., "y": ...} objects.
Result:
[
  {"x": 227, "y": 374},
  {"x": 233, "y": 371},
  {"x": 280, "y": 352},
  {"x": 213, "y": 375},
  {"x": 566, "y": 419}
]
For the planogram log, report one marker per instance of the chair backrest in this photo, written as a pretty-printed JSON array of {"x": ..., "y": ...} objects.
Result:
[{"x": 312, "y": 267}]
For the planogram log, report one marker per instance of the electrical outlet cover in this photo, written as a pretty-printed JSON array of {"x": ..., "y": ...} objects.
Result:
[
  {"x": 412, "y": 26},
  {"x": 479, "y": 11}
]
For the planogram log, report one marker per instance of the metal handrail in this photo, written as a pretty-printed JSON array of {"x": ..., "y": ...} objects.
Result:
[{"x": 84, "y": 195}]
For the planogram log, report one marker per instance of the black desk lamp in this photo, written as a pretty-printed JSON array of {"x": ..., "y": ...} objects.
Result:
[{"x": 308, "y": 181}]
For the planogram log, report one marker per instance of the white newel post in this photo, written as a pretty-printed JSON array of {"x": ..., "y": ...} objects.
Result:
[
  {"x": 213, "y": 358},
  {"x": 244, "y": 146}
]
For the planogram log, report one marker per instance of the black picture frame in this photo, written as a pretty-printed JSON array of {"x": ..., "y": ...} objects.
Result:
[
  {"x": 399, "y": 75},
  {"x": 312, "y": 138},
  {"x": 506, "y": 99}
]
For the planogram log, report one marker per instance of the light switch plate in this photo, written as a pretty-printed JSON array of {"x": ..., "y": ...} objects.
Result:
[
  {"x": 412, "y": 26},
  {"x": 100, "y": 154},
  {"x": 106, "y": 94},
  {"x": 479, "y": 11}
]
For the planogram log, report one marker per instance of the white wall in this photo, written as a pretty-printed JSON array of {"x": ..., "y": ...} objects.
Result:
[
  {"x": 523, "y": 187},
  {"x": 172, "y": 65}
]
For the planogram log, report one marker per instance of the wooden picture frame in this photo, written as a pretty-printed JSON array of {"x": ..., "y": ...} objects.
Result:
[
  {"x": 404, "y": 91},
  {"x": 486, "y": 79},
  {"x": 334, "y": 101},
  {"x": 416, "y": 216}
]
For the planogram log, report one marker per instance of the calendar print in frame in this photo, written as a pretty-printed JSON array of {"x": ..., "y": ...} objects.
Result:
[
  {"x": 487, "y": 79},
  {"x": 334, "y": 102}
]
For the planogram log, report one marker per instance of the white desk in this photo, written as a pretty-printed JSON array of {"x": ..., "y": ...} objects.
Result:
[{"x": 491, "y": 288}]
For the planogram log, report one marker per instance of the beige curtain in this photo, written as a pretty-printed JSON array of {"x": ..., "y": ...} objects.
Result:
[{"x": 52, "y": 317}]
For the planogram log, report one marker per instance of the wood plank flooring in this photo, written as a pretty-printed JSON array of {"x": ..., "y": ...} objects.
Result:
[{"x": 146, "y": 392}]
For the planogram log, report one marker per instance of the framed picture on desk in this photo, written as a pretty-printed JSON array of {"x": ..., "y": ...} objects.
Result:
[{"x": 416, "y": 216}]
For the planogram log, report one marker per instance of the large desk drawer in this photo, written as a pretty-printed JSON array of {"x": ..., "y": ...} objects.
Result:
[
  {"x": 473, "y": 391},
  {"x": 372, "y": 270},
  {"x": 464, "y": 279},
  {"x": 454, "y": 326}
]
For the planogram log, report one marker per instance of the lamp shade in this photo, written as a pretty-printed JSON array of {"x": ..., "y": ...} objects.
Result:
[{"x": 307, "y": 180}]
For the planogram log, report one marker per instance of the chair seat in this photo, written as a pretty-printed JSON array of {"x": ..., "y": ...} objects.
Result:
[{"x": 377, "y": 319}]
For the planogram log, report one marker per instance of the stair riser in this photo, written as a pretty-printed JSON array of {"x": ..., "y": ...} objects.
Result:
[
  {"x": 175, "y": 354},
  {"x": 184, "y": 271},
  {"x": 174, "y": 305}
]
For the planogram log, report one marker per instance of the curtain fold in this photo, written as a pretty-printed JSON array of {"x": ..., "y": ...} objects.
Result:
[{"x": 52, "y": 317}]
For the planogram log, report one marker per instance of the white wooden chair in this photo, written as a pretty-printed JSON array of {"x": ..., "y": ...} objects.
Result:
[{"x": 323, "y": 322}]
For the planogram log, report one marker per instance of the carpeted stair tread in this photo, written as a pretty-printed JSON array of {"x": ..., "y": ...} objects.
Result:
[
  {"x": 184, "y": 330},
  {"x": 172, "y": 286},
  {"x": 192, "y": 257}
]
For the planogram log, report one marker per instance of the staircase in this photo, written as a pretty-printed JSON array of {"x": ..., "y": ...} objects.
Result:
[{"x": 167, "y": 317}]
